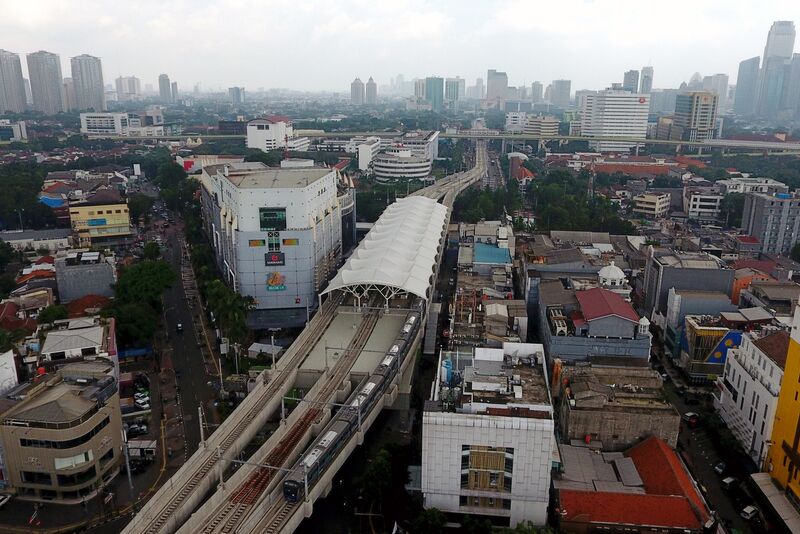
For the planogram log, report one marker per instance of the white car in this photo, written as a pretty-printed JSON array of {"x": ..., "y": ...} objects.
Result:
[
  {"x": 749, "y": 512},
  {"x": 142, "y": 405},
  {"x": 4, "y": 499}
]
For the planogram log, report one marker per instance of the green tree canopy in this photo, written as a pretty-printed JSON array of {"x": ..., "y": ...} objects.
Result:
[
  {"x": 144, "y": 282},
  {"x": 152, "y": 251},
  {"x": 429, "y": 521},
  {"x": 731, "y": 209},
  {"x": 136, "y": 322},
  {"x": 55, "y": 312},
  {"x": 795, "y": 253},
  {"x": 138, "y": 205}
]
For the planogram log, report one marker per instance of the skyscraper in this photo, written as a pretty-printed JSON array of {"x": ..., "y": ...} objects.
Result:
[
  {"x": 614, "y": 113},
  {"x": 496, "y": 85},
  {"x": 128, "y": 88},
  {"x": 236, "y": 95},
  {"x": 537, "y": 92},
  {"x": 746, "y": 86},
  {"x": 87, "y": 75},
  {"x": 696, "y": 114},
  {"x": 44, "y": 69},
  {"x": 12, "y": 86},
  {"x": 434, "y": 92},
  {"x": 173, "y": 91},
  {"x": 357, "y": 96},
  {"x": 479, "y": 88},
  {"x": 419, "y": 88},
  {"x": 560, "y": 91},
  {"x": 454, "y": 89},
  {"x": 718, "y": 84},
  {"x": 164, "y": 88},
  {"x": 68, "y": 95},
  {"x": 780, "y": 40},
  {"x": 630, "y": 81},
  {"x": 647, "y": 80},
  {"x": 777, "y": 55},
  {"x": 791, "y": 87},
  {"x": 371, "y": 92}
]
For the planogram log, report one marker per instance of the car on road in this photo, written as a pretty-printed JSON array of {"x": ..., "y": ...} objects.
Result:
[
  {"x": 720, "y": 468},
  {"x": 681, "y": 391},
  {"x": 749, "y": 512},
  {"x": 4, "y": 499},
  {"x": 665, "y": 377},
  {"x": 692, "y": 419},
  {"x": 692, "y": 400},
  {"x": 179, "y": 327},
  {"x": 729, "y": 483}
]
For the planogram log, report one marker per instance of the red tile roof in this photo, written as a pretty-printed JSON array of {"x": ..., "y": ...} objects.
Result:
[
  {"x": 596, "y": 303},
  {"x": 683, "y": 161},
  {"x": 766, "y": 266},
  {"x": 628, "y": 509},
  {"x": 747, "y": 239},
  {"x": 8, "y": 309},
  {"x": 776, "y": 346},
  {"x": 39, "y": 273},
  {"x": 670, "y": 500},
  {"x": 45, "y": 259},
  {"x": 631, "y": 168},
  {"x": 86, "y": 305},
  {"x": 663, "y": 473}
]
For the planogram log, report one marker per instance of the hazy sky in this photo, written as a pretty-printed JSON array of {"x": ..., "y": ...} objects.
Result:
[{"x": 314, "y": 45}]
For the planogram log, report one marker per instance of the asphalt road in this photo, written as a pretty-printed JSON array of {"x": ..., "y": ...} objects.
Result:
[{"x": 185, "y": 353}]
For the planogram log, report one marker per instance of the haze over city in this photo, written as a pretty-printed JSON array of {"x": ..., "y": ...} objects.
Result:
[
  {"x": 313, "y": 46},
  {"x": 407, "y": 267}
]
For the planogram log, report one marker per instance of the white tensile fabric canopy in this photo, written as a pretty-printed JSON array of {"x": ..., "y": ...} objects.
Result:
[{"x": 399, "y": 253}]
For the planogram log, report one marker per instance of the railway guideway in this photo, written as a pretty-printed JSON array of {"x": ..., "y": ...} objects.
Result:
[{"x": 233, "y": 503}]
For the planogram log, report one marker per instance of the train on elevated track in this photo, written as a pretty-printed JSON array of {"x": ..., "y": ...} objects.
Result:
[{"x": 313, "y": 463}]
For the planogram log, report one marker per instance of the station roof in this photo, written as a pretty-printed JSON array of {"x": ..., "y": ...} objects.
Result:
[{"x": 399, "y": 252}]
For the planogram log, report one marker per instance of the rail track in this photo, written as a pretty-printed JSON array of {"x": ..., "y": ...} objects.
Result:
[
  {"x": 176, "y": 496},
  {"x": 226, "y": 518}
]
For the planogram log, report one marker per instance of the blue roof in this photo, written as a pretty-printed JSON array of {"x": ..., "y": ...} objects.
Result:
[
  {"x": 51, "y": 202},
  {"x": 491, "y": 254}
]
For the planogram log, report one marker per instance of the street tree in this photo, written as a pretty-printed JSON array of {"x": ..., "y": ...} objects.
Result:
[
  {"x": 55, "y": 312},
  {"x": 152, "y": 251}
]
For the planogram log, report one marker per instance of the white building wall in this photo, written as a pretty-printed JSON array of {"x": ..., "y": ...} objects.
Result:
[
  {"x": 104, "y": 123},
  {"x": 613, "y": 113},
  {"x": 266, "y": 135},
  {"x": 444, "y": 434},
  {"x": 750, "y": 387},
  {"x": 367, "y": 151}
]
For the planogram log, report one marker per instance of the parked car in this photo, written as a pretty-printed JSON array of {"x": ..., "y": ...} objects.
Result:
[
  {"x": 179, "y": 327},
  {"x": 142, "y": 405},
  {"x": 720, "y": 468},
  {"x": 692, "y": 419},
  {"x": 680, "y": 390},
  {"x": 749, "y": 512},
  {"x": 692, "y": 400},
  {"x": 729, "y": 483},
  {"x": 4, "y": 499}
]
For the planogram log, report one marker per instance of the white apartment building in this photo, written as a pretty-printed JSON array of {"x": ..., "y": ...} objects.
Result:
[
  {"x": 367, "y": 150},
  {"x": 749, "y": 389},
  {"x": 400, "y": 163},
  {"x": 515, "y": 121},
  {"x": 424, "y": 144},
  {"x": 702, "y": 203},
  {"x": 748, "y": 184},
  {"x": 614, "y": 113},
  {"x": 541, "y": 126},
  {"x": 488, "y": 436},
  {"x": 105, "y": 123},
  {"x": 276, "y": 233},
  {"x": 652, "y": 205},
  {"x": 273, "y": 134},
  {"x": 13, "y": 131},
  {"x": 147, "y": 123}
]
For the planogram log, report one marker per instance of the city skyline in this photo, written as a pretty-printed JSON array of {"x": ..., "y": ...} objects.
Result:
[{"x": 436, "y": 41}]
